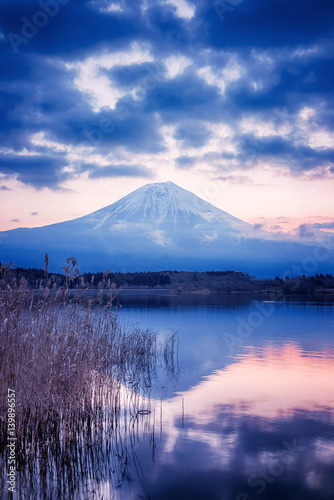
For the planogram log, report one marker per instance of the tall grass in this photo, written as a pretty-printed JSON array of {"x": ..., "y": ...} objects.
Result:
[{"x": 79, "y": 380}]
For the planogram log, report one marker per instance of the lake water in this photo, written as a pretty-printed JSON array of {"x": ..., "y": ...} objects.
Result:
[{"x": 248, "y": 411}]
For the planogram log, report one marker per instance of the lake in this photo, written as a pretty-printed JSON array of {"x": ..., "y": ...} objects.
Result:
[{"x": 247, "y": 411}]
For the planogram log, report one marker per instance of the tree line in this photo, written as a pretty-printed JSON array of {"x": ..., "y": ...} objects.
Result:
[{"x": 213, "y": 281}]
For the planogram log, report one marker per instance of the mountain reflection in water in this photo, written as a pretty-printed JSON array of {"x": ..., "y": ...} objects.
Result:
[
  {"x": 262, "y": 426},
  {"x": 253, "y": 423}
]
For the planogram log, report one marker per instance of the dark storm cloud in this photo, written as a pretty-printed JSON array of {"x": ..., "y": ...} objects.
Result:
[
  {"x": 137, "y": 132},
  {"x": 46, "y": 171},
  {"x": 192, "y": 134},
  {"x": 299, "y": 158},
  {"x": 11, "y": 132},
  {"x": 284, "y": 77},
  {"x": 50, "y": 104},
  {"x": 187, "y": 97},
  {"x": 80, "y": 25},
  {"x": 263, "y": 23},
  {"x": 281, "y": 52},
  {"x": 75, "y": 26}
]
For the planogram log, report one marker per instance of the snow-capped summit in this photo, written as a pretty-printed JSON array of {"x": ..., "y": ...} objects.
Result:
[
  {"x": 166, "y": 206},
  {"x": 158, "y": 226}
]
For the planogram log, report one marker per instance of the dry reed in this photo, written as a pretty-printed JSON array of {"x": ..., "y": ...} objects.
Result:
[{"x": 78, "y": 379}]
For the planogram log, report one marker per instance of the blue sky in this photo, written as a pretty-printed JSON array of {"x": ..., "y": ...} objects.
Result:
[{"x": 231, "y": 100}]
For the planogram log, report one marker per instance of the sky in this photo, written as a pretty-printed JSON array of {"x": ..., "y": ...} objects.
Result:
[{"x": 232, "y": 100}]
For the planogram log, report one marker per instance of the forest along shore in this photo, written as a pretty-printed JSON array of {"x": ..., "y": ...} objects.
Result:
[{"x": 181, "y": 282}]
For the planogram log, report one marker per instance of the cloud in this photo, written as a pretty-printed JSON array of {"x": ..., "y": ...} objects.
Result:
[
  {"x": 182, "y": 8},
  {"x": 37, "y": 171},
  {"x": 192, "y": 134},
  {"x": 296, "y": 157},
  {"x": 221, "y": 77},
  {"x": 323, "y": 225},
  {"x": 111, "y": 7},
  {"x": 305, "y": 232},
  {"x": 185, "y": 161},
  {"x": 175, "y": 65},
  {"x": 159, "y": 237},
  {"x": 91, "y": 81},
  {"x": 262, "y": 24},
  {"x": 4, "y": 188},
  {"x": 118, "y": 171},
  {"x": 104, "y": 79},
  {"x": 235, "y": 179},
  {"x": 211, "y": 237}
]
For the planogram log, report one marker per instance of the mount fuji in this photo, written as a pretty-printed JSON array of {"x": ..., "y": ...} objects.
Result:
[{"x": 157, "y": 227}]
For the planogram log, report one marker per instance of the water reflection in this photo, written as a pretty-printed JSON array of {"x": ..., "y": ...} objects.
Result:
[
  {"x": 204, "y": 327},
  {"x": 268, "y": 382},
  {"x": 146, "y": 299},
  {"x": 263, "y": 425},
  {"x": 254, "y": 423}
]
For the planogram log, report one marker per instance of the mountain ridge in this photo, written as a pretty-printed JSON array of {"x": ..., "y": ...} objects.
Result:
[{"x": 158, "y": 226}]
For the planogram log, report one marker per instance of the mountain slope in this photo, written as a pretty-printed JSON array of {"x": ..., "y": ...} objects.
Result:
[
  {"x": 158, "y": 226},
  {"x": 164, "y": 205}
]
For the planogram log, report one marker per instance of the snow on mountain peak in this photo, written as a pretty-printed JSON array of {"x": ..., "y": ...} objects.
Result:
[
  {"x": 158, "y": 226},
  {"x": 158, "y": 200},
  {"x": 168, "y": 205}
]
